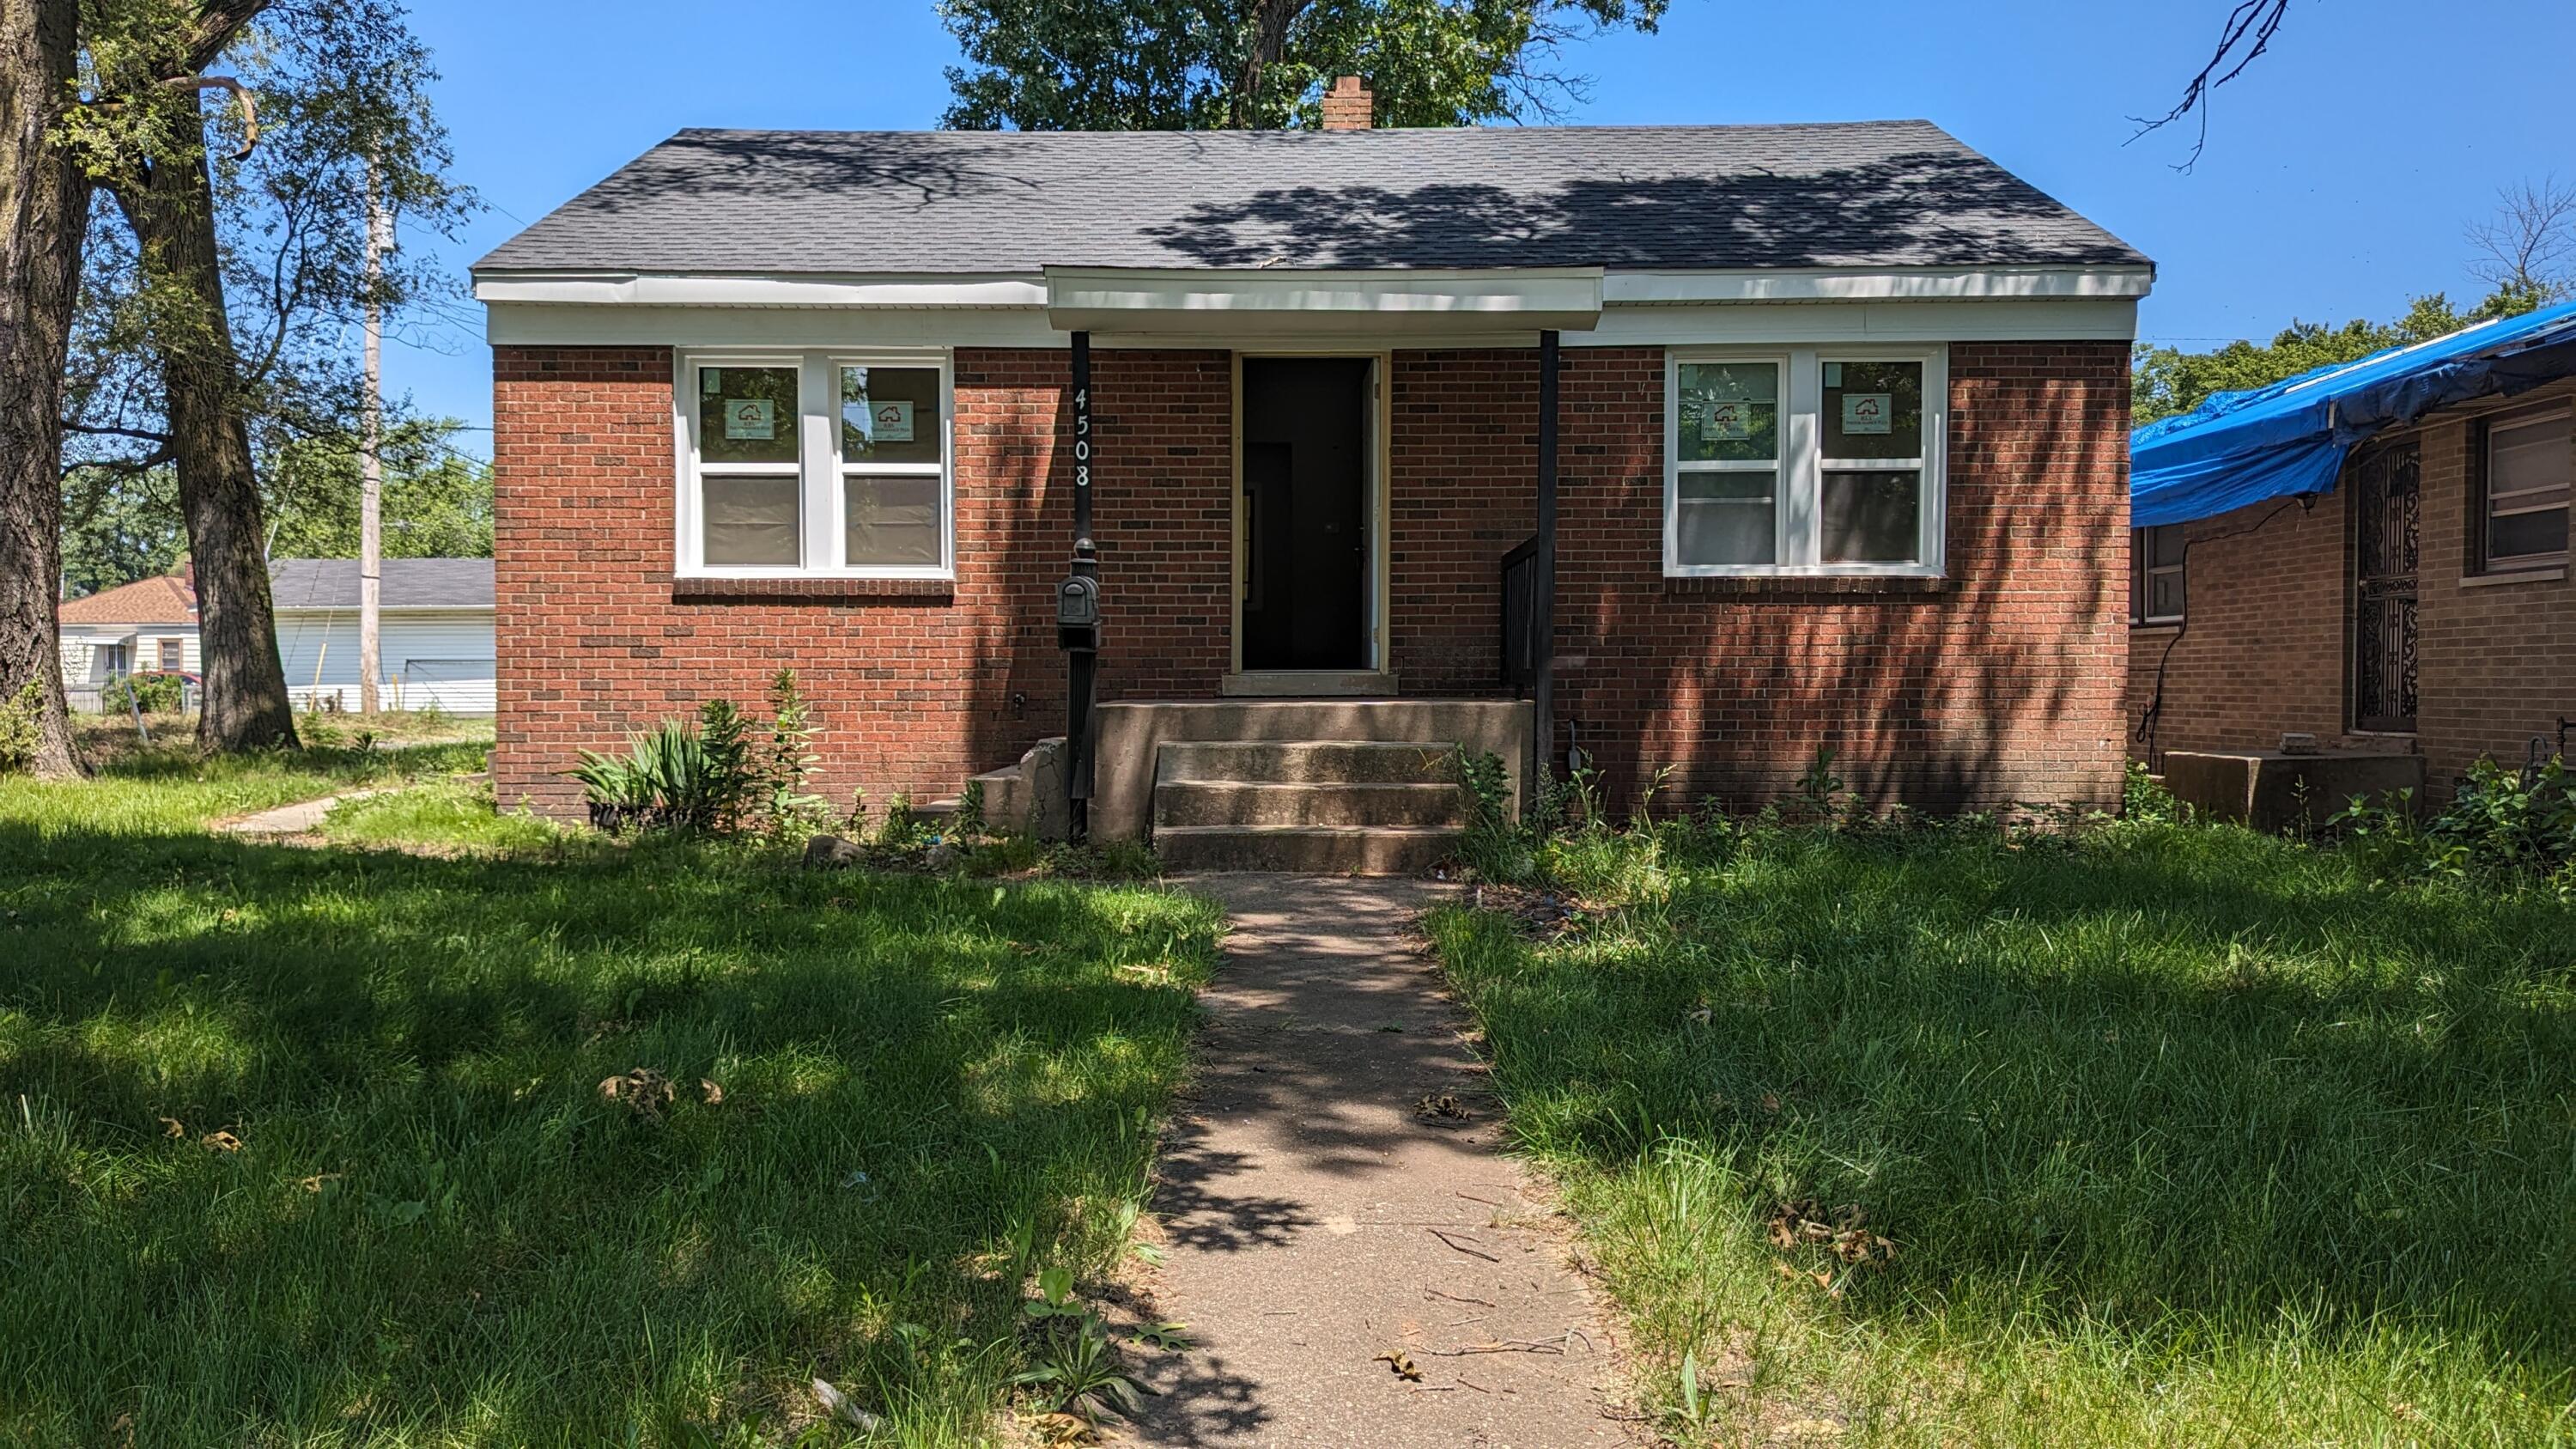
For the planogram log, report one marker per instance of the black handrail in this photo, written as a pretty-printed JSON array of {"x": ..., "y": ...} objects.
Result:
[{"x": 1520, "y": 615}]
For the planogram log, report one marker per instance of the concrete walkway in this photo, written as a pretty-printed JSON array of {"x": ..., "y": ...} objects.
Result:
[
  {"x": 299, "y": 818},
  {"x": 1316, "y": 1219}
]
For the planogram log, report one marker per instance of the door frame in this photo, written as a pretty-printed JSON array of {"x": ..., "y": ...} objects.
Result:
[{"x": 1378, "y": 460}]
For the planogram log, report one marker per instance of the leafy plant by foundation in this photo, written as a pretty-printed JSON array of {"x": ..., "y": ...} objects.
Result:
[
  {"x": 18, "y": 721},
  {"x": 2502, "y": 825}
]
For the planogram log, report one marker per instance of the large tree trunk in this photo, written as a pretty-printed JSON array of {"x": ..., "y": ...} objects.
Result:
[
  {"x": 172, "y": 211},
  {"x": 44, "y": 216}
]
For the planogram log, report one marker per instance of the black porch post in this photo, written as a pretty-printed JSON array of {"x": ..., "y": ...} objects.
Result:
[
  {"x": 1543, "y": 624},
  {"x": 1082, "y": 655}
]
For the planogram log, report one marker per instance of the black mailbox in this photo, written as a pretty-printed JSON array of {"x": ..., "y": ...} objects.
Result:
[{"x": 1077, "y": 613}]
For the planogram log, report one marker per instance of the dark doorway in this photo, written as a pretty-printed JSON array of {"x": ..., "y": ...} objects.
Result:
[{"x": 1306, "y": 512}]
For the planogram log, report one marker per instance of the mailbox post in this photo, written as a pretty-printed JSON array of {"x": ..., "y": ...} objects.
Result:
[{"x": 1077, "y": 606}]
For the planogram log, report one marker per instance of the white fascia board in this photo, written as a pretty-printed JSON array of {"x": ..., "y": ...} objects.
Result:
[
  {"x": 1699, "y": 324},
  {"x": 1308, "y": 303},
  {"x": 1843, "y": 284},
  {"x": 645, "y": 290}
]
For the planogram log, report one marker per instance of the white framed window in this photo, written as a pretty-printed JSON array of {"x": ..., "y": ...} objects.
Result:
[
  {"x": 2527, "y": 468},
  {"x": 2155, "y": 574},
  {"x": 814, "y": 463},
  {"x": 1805, "y": 461}
]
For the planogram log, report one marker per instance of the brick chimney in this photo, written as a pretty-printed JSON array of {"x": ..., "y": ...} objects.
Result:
[{"x": 1348, "y": 104}]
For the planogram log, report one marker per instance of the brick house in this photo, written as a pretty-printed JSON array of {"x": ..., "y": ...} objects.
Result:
[
  {"x": 1692, "y": 449},
  {"x": 2375, "y": 555}
]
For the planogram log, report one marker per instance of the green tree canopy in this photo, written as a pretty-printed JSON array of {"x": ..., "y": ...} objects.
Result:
[
  {"x": 122, "y": 523},
  {"x": 1175, "y": 65}
]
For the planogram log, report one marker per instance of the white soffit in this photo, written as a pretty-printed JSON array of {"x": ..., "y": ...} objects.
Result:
[{"x": 1320, "y": 303}]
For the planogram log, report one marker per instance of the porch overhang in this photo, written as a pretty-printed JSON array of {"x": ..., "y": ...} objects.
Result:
[{"x": 1255, "y": 303}]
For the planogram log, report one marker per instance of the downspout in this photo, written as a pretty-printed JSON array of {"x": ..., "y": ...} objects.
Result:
[{"x": 1543, "y": 627}]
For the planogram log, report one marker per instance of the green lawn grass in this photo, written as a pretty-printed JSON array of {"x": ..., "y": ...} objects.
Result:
[
  {"x": 435, "y": 1228},
  {"x": 2184, "y": 1136}
]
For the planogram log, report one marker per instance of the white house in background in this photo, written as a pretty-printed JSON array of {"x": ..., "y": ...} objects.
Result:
[
  {"x": 435, "y": 646},
  {"x": 145, "y": 627}
]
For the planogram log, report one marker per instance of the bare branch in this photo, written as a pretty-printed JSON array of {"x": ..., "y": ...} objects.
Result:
[
  {"x": 2247, "y": 34},
  {"x": 2530, "y": 243}
]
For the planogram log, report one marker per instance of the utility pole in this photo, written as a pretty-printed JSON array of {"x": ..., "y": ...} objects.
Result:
[{"x": 371, "y": 473}]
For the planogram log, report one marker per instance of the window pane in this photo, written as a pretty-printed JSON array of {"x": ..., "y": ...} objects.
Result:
[
  {"x": 2165, "y": 595},
  {"x": 1871, "y": 517},
  {"x": 2528, "y": 455},
  {"x": 890, "y": 415},
  {"x": 1873, "y": 410},
  {"x": 892, "y": 520},
  {"x": 2521, "y": 535},
  {"x": 749, "y": 520},
  {"x": 1725, "y": 518},
  {"x": 2168, "y": 544},
  {"x": 1730, "y": 412},
  {"x": 747, "y": 414}
]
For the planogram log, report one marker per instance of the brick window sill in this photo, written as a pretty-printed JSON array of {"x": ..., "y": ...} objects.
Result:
[
  {"x": 1769, "y": 586},
  {"x": 811, "y": 590}
]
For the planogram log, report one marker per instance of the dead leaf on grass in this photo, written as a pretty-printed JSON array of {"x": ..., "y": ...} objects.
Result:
[
  {"x": 1842, "y": 1231},
  {"x": 643, "y": 1091},
  {"x": 1402, "y": 1363},
  {"x": 222, "y": 1141},
  {"x": 315, "y": 1182},
  {"x": 710, "y": 1093},
  {"x": 1061, "y": 1429},
  {"x": 170, "y": 1128}
]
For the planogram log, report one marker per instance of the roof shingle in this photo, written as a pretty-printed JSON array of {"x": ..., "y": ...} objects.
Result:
[
  {"x": 409, "y": 583},
  {"x": 1862, "y": 194}
]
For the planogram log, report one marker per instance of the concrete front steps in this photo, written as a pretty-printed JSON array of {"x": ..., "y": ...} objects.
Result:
[{"x": 1344, "y": 807}]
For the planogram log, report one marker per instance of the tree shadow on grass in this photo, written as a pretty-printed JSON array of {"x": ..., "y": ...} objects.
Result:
[
  {"x": 431, "y": 1190},
  {"x": 2195, "y": 1077}
]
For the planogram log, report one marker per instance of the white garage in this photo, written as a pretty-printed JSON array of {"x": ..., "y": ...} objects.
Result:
[{"x": 434, "y": 641}]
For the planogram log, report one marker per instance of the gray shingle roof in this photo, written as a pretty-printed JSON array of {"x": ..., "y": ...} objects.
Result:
[
  {"x": 409, "y": 583},
  {"x": 1863, "y": 194}
]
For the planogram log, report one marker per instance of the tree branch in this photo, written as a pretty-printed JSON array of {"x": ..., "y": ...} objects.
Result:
[{"x": 2247, "y": 34}]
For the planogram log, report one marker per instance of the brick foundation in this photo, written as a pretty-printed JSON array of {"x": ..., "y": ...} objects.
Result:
[{"x": 2000, "y": 683}]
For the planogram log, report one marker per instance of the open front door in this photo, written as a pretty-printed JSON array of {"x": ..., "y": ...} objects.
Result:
[{"x": 1307, "y": 533}]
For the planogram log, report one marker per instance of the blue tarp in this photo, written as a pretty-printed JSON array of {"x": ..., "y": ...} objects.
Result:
[{"x": 2291, "y": 437}]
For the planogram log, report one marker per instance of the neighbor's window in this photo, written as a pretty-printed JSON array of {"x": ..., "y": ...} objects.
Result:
[
  {"x": 2155, "y": 574},
  {"x": 1809, "y": 462},
  {"x": 173, "y": 655},
  {"x": 2529, "y": 457},
  {"x": 815, "y": 463}
]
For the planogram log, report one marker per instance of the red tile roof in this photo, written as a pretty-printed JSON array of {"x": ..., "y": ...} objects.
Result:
[{"x": 164, "y": 600}]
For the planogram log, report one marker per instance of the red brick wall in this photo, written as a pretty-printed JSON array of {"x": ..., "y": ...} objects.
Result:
[
  {"x": 2001, "y": 684},
  {"x": 2269, "y": 612},
  {"x": 1996, "y": 685},
  {"x": 915, "y": 688}
]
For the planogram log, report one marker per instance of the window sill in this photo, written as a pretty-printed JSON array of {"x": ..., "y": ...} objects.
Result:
[
  {"x": 2155, "y": 626},
  {"x": 2545, "y": 574},
  {"x": 1777, "y": 585},
  {"x": 815, "y": 588}
]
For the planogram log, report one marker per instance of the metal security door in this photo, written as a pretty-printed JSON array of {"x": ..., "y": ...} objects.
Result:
[{"x": 2387, "y": 498}]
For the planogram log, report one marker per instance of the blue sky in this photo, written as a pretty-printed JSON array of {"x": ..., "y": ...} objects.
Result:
[{"x": 2340, "y": 170}]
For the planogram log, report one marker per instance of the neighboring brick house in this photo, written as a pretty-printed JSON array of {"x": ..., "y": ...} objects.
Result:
[
  {"x": 2374, "y": 555},
  {"x": 1837, "y": 430}
]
